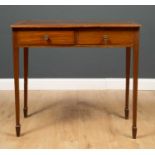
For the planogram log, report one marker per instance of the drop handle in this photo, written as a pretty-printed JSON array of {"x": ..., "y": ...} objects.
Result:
[
  {"x": 46, "y": 37},
  {"x": 105, "y": 39}
]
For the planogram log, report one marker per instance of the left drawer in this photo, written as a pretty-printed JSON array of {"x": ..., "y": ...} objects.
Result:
[{"x": 45, "y": 38}]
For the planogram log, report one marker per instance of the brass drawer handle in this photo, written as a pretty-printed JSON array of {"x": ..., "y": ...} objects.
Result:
[
  {"x": 105, "y": 39},
  {"x": 46, "y": 37}
]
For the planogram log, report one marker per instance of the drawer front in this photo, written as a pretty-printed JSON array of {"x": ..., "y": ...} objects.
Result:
[
  {"x": 45, "y": 38},
  {"x": 107, "y": 37}
]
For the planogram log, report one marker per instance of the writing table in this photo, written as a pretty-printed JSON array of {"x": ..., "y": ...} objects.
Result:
[{"x": 49, "y": 33}]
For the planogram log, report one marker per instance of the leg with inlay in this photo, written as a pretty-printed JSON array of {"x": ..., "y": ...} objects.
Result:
[
  {"x": 128, "y": 57},
  {"x": 135, "y": 88},
  {"x": 25, "y": 81},
  {"x": 16, "y": 82}
]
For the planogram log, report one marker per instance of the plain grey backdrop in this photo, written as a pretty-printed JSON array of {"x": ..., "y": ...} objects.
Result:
[{"x": 78, "y": 62}]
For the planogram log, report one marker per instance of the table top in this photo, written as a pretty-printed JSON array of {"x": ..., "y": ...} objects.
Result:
[{"x": 73, "y": 24}]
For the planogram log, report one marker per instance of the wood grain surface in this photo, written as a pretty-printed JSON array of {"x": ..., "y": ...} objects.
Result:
[
  {"x": 72, "y": 24},
  {"x": 77, "y": 119}
]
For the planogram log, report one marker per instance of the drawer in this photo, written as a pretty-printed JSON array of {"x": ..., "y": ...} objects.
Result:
[
  {"x": 45, "y": 38},
  {"x": 107, "y": 37}
]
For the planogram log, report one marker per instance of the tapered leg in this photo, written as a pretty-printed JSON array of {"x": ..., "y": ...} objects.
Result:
[
  {"x": 25, "y": 81},
  {"x": 16, "y": 81},
  {"x": 135, "y": 89},
  {"x": 128, "y": 57}
]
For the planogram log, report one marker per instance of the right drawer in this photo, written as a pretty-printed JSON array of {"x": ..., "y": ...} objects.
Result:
[{"x": 105, "y": 37}]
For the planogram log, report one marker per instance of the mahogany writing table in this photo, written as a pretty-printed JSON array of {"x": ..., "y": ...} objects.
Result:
[{"x": 48, "y": 33}]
